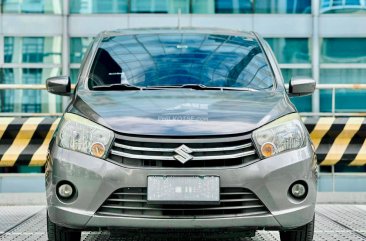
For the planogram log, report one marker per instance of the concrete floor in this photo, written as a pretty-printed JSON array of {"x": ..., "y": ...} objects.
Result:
[{"x": 333, "y": 222}]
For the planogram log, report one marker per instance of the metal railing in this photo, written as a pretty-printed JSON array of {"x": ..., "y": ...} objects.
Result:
[
  {"x": 27, "y": 87},
  {"x": 333, "y": 88}
]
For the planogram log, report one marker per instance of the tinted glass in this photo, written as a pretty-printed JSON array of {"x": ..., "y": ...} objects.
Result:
[
  {"x": 32, "y": 6},
  {"x": 345, "y": 99},
  {"x": 233, "y": 6},
  {"x": 282, "y": 6},
  {"x": 78, "y": 47},
  {"x": 178, "y": 59},
  {"x": 74, "y": 74},
  {"x": 343, "y": 50},
  {"x": 99, "y": 6},
  {"x": 32, "y": 50},
  {"x": 161, "y": 6},
  {"x": 33, "y": 101},
  {"x": 291, "y": 50},
  {"x": 26, "y": 75},
  {"x": 342, "y": 6}
]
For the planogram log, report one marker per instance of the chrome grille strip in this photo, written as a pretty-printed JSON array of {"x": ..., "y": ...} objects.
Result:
[
  {"x": 105, "y": 213},
  {"x": 171, "y": 158},
  {"x": 137, "y": 148},
  {"x": 130, "y": 193},
  {"x": 182, "y": 209},
  {"x": 166, "y": 152},
  {"x": 145, "y": 201}
]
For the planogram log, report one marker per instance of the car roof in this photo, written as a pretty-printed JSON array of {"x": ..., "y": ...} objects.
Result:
[{"x": 187, "y": 30}]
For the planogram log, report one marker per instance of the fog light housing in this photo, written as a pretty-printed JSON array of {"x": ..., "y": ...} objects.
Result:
[
  {"x": 65, "y": 190},
  {"x": 299, "y": 190}
]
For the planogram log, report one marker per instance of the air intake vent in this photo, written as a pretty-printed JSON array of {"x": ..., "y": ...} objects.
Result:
[{"x": 132, "y": 202}]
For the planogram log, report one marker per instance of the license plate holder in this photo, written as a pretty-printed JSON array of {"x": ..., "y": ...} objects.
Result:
[{"x": 183, "y": 190}]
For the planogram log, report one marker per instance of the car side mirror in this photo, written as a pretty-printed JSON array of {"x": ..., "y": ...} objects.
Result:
[
  {"x": 300, "y": 86},
  {"x": 60, "y": 85}
]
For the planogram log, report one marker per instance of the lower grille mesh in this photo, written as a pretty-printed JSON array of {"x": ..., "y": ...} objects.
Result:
[{"x": 132, "y": 202}]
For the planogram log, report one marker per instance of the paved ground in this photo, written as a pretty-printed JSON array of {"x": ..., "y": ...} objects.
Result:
[{"x": 333, "y": 223}]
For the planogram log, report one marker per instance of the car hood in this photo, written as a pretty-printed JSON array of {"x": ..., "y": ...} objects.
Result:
[{"x": 181, "y": 112}]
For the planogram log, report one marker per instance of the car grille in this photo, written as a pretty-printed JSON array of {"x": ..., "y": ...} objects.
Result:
[
  {"x": 214, "y": 152},
  {"x": 132, "y": 202}
]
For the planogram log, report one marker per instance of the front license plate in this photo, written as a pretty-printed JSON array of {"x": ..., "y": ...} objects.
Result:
[{"x": 183, "y": 189}]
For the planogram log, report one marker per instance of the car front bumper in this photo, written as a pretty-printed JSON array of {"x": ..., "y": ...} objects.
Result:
[{"x": 96, "y": 179}]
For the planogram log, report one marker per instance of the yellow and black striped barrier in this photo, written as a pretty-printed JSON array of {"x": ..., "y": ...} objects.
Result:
[
  {"x": 338, "y": 141},
  {"x": 24, "y": 141}
]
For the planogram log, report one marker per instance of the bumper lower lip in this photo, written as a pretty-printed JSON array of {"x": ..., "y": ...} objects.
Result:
[
  {"x": 73, "y": 218},
  {"x": 269, "y": 179}
]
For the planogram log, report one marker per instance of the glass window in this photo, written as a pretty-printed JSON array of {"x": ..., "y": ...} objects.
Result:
[
  {"x": 291, "y": 50},
  {"x": 345, "y": 99},
  {"x": 133, "y": 6},
  {"x": 29, "y": 101},
  {"x": 32, "y": 6},
  {"x": 175, "y": 5},
  {"x": 149, "y": 6},
  {"x": 342, "y": 6},
  {"x": 303, "y": 103},
  {"x": 282, "y": 6},
  {"x": 33, "y": 101},
  {"x": 289, "y": 73},
  {"x": 203, "y": 6},
  {"x": 234, "y": 6},
  {"x": 343, "y": 50},
  {"x": 99, "y": 6},
  {"x": 78, "y": 47},
  {"x": 159, "y": 6},
  {"x": 27, "y": 75},
  {"x": 343, "y": 76},
  {"x": 32, "y": 50},
  {"x": 179, "y": 59},
  {"x": 74, "y": 74}
]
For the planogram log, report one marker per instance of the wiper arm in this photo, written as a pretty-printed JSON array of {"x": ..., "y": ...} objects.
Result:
[
  {"x": 196, "y": 86},
  {"x": 204, "y": 87},
  {"x": 117, "y": 87}
]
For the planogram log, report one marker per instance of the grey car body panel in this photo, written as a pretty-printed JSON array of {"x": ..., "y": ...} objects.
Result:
[
  {"x": 269, "y": 179},
  {"x": 156, "y": 113},
  {"x": 181, "y": 112}
]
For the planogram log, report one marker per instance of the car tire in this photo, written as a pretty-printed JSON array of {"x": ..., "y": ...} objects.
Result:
[
  {"x": 303, "y": 233},
  {"x": 58, "y": 233}
]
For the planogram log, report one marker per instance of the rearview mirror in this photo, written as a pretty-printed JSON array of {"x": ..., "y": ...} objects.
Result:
[
  {"x": 300, "y": 86},
  {"x": 60, "y": 85}
]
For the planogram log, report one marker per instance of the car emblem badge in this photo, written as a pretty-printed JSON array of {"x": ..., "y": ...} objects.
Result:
[{"x": 183, "y": 154}]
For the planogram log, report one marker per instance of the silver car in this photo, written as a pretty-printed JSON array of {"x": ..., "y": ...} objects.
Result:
[{"x": 180, "y": 131}]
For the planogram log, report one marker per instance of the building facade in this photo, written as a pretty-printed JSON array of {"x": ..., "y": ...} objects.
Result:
[{"x": 325, "y": 39}]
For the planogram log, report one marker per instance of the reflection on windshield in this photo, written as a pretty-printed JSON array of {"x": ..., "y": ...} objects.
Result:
[{"x": 181, "y": 59}]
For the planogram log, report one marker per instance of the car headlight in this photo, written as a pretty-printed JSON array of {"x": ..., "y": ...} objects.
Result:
[
  {"x": 284, "y": 134},
  {"x": 79, "y": 134}
]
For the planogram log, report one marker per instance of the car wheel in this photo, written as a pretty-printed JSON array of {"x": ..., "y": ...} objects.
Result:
[
  {"x": 303, "y": 233},
  {"x": 58, "y": 233}
]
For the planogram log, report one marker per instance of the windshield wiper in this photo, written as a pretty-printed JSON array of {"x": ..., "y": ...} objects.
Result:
[
  {"x": 123, "y": 87},
  {"x": 117, "y": 87},
  {"x": 204, "y": 87}
]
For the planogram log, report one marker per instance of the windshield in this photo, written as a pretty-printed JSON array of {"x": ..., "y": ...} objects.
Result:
[{"x": 148, "y": 60}]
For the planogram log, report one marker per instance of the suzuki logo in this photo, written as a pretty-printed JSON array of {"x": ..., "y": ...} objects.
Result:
[{"x": 183, "y": 154}]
